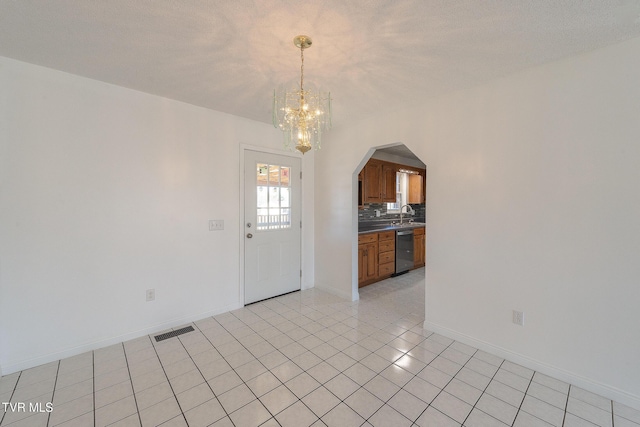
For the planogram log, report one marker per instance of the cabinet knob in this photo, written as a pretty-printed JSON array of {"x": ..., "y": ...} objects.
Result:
[{"x": 249, "y": 235}]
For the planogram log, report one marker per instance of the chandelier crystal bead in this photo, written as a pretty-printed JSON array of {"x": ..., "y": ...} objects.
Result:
[{"x": 302, "y": 114}]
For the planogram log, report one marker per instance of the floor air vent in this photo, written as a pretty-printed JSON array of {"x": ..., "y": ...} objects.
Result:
[{"x": 175, "y": 333}]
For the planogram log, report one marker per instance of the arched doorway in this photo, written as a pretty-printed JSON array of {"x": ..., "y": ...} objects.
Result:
[{"x": 389, "y": 215}]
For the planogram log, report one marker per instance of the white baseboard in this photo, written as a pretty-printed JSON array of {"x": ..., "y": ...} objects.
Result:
[
  {"x": 336, "y": 292},
  {"x": 605, "y": 390},
  {"x": 20, "y": 365}
]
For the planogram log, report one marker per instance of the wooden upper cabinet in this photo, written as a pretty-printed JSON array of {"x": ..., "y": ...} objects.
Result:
[
  {"x": 416, "y": 189},
  {"x": 389, "y": 183},
  {"x": 373, "y": 182},
  {"x": 379, "y": 182}
]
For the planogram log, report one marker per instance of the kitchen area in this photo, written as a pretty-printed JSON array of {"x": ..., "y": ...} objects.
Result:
[{"x": 391, "y": 215}]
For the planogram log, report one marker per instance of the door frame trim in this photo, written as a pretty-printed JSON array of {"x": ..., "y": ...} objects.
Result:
[{"x": 243, "y": 149}]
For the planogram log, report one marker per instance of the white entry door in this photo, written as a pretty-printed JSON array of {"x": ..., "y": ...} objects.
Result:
[{"x": 271, "y": 225}]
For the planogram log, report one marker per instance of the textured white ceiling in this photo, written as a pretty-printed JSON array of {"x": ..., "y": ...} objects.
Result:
[{"x": 371, "y": 54}]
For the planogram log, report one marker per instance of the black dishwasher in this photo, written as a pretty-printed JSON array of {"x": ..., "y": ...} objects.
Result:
[{"x": 404, "y": 251}]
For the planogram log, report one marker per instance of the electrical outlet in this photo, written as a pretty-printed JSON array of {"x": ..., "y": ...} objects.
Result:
[
  {"x": 216, "y": 224},
  {"x": 518, "y": 317},
  {"x": 151, "y": 295}
]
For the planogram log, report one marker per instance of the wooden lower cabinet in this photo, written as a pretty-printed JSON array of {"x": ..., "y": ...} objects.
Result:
[
  {"x": 377, "y": 255},
  {"x": 367, "y": 258},
  {"x": 386, "y": 254},
  {"x": 418, "y": 247}
]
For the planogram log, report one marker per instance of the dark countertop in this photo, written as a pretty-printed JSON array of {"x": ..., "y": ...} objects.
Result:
[{"x": 389, "y": 227}]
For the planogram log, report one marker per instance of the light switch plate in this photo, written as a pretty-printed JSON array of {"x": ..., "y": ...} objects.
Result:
[{"x": 216, "y": 224}]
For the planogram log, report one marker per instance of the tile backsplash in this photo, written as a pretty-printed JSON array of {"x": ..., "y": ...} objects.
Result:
[{"x": 368, "y": 213}]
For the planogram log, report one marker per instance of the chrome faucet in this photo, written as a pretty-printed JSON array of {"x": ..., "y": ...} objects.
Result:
[{"x": 409, "y": 210}]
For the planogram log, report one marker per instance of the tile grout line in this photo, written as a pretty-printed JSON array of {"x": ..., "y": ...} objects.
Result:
[
  {"x": 525, "y": 394},
  {"x": 15, "y": 387},
  {"x": 53, "y": 393},
  {"x": 129, "y": 380},
  {"x": 478, "y": 399},
  {"x": 524, "y": 397},
  {"x": 414, "y": 376},
  {"x": 378, "y": 329},
  {"x": 289, "y": 359},
  {"x": 591, "y": 405},
  {"x": 298, "y": 399},
  {"x": 448, "y": 382},
  {"x": 492, "y": 378},
  {"x": 358, "y": 361},
  {"x": 228, "y": 327},
  {"x": 135, "y": 400},
  {"x": 362, "y": 386},
  {"x": 269, "y": 370},
  {"x": 483, "y": 391},
  {"x": 340, "y": 372},
  {"x": 633, "y": 422},
  {"x": 170, "y": 386},
  {"x": 232, "y": 368},
  {"x": 203, "y": 377},
  {"x": 566, "y": 405}
]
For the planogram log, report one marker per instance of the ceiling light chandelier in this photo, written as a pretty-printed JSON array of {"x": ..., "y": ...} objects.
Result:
[{"x": 302, "y": 114}]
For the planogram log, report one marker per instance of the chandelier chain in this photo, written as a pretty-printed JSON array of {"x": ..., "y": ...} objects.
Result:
[{"x": 301, "y": 71}]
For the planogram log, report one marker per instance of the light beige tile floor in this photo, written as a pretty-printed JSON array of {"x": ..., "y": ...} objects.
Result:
[{"x": 303, "y": 359}]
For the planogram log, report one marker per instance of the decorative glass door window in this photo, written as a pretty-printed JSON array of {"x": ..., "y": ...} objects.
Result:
[{"x": 274, "y": 197}]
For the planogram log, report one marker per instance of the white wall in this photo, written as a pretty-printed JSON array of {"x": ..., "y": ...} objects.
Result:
[
  {"x": 106, "y": 192},
  {"x": 533, "y": 185}
]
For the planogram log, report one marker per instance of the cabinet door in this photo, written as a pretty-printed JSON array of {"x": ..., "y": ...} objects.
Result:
[
  {"x": 371, "y": 261},
  {"x": 418, "y": 250},
  {"x": 361, "y": 263},
  {"x": 416, "y": 189},
  {"x": 388, "y": 183},
  {"x": 367, "y": 262},
  {"x": 373, "y": 182}
]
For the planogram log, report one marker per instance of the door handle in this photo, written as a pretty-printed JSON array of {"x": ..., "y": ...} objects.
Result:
[{"x": 249, "y": 235}]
